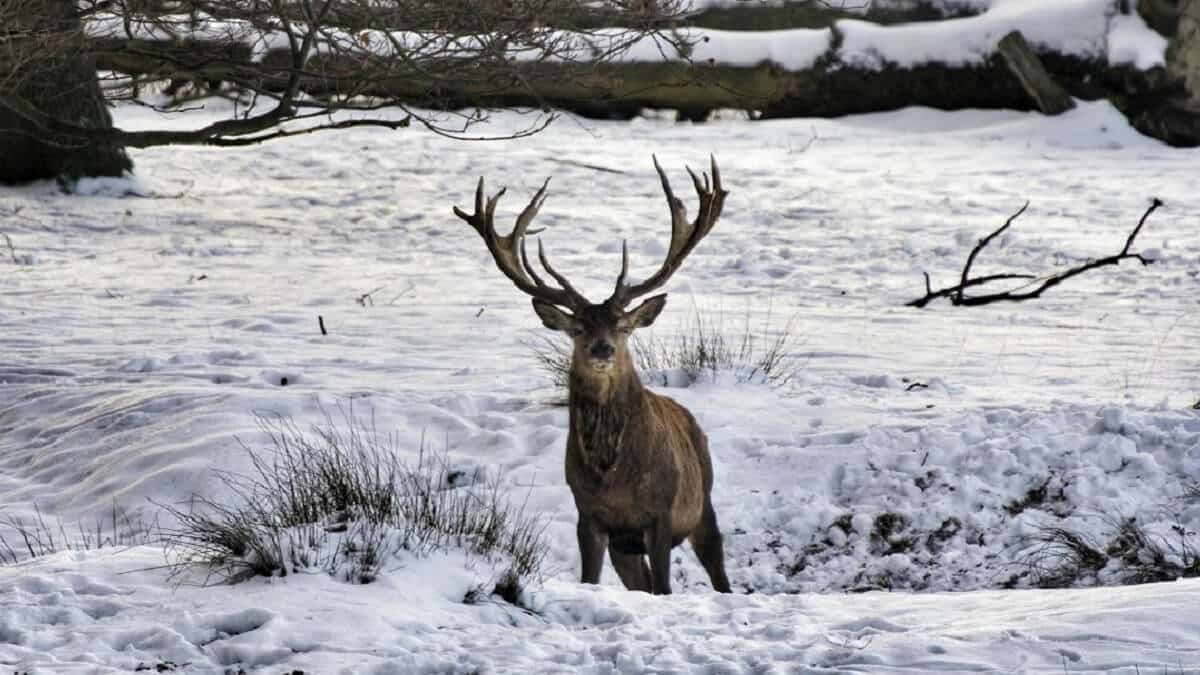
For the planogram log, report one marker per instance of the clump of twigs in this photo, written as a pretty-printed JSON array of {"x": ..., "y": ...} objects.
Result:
[
  {"x": 1034, "y": 286},
  {"x": 1062, "y": 557},
  {"x": 338, "y": 499},
  {"x": 553, "y": 356}
]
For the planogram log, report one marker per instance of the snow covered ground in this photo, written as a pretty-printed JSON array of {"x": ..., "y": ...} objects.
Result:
[{"x": 146, "y": 321}]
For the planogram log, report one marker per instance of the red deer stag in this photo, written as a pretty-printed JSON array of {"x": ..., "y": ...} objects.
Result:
[{"x": 637, "y": 462}]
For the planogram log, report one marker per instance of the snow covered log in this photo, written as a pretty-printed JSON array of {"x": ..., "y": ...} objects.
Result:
[
  {"x": 852, "y": 66},
  {"x": 829, "y": 89},
  {"x": 760, "y": 16}
]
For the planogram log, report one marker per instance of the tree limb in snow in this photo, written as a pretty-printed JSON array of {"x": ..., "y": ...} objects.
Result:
[{"x": 958, "y": 297}]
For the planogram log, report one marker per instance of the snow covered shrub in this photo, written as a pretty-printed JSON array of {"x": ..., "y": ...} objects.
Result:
[
  {"x": 1133, "y": 554},
  {"x": 703, "y": 348},
  {"x": 338, "y": 498}
]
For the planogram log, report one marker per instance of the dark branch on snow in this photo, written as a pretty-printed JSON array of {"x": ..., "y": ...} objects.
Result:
[{"x": 957, "y": 296}]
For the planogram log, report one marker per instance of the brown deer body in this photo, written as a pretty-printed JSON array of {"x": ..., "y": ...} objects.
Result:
[{"x": 637, "y": 463}]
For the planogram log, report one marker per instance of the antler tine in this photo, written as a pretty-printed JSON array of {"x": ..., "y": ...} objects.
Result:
[
  {"x": 700, "y": 188},
  {"x": 529, "y": 268},
  {"x": 473, "y": 219},
  {"x": 562, "y": 281},
  {"x": 712, "y": 199},
  {"x": 531, "y": 211},
  {"x": 684, "y": 235},
  {"x": 489, "y": 217},
  {"x": 508, "y": 251},
  {"x": 679, "y": 224},
  {"x": 719, "y": 193},
  {"x": 522, "y": 228},
  {"x": 624, "y": 267}
]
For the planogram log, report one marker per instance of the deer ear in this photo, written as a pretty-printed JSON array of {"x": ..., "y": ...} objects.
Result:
[
  {"x": 553, "y": 317},
  {"x": 644, "y": 314}
]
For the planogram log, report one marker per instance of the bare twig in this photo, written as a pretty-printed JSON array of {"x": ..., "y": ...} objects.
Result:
[
  {"x": 407, "y": 290},
  {"x": 366, "y": 300},
  {"x": 584, "y": 165},
  {"x": 12, "y": 250},
  {"x": 958, "y": 298}
]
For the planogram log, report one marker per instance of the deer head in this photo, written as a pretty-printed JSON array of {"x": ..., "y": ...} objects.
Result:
[{"x": 600, "y": 331}]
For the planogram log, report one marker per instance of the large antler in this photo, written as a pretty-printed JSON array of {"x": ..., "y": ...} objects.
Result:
[
  {"x": 684, "y": 235},
  {"x": 509, "y": 251}
]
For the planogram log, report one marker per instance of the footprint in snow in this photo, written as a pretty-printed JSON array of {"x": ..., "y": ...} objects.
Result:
[
  {"x": 281, "y": 378},
  {"x": 871, "y": 625}
]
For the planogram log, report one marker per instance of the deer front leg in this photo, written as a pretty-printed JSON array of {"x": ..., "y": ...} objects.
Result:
[
  {"x": 658, "y": 540},
  {"x": 591, "y": 549}
]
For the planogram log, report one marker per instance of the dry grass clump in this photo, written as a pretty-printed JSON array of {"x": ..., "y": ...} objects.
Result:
[
  {"x": 337, "y": 498},
  {"x": 703, "y": 348}
]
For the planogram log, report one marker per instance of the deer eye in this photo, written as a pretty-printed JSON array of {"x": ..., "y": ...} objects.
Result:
[{"x": 575, "y": 331}]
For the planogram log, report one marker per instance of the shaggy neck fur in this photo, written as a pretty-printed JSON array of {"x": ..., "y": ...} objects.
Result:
[{"x": 602, "y": 405}]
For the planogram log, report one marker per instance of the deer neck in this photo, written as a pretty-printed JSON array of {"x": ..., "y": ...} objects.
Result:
[{"x": 603, "y": 407}]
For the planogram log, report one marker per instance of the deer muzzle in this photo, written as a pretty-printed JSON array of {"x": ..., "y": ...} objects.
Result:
[{"x": 601, "y": 353}]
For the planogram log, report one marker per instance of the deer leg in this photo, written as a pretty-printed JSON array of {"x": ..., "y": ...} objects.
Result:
[
  {"x": 591, "y": 549},
  {"x": 706, "y": 542},
  {"x": 658, "y": 537},
  {"x": 632, "y": 569}
]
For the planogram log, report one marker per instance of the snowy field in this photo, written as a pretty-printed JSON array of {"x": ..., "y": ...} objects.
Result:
[{"x": 146, "y": 321}]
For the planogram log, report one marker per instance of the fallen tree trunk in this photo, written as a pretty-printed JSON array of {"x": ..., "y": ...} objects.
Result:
[{"x": 829, "y": 88}]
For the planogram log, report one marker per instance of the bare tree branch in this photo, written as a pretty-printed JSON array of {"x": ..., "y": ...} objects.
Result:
[
  {"x": 959, "y": 298},
  {"x": 309, "y": 58}
]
